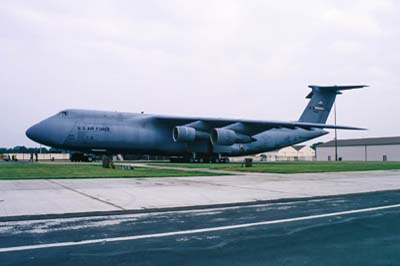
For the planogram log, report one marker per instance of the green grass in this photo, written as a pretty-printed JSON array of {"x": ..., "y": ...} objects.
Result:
[
  {"x": 296, "y": 167},
  {"x": 10, "y": 171}
]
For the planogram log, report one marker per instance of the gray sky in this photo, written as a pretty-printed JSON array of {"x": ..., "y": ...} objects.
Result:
[{"x": 236, "y": 59}]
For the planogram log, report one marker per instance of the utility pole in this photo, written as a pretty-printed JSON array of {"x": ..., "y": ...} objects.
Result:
[{"x": 336, "y": 141}]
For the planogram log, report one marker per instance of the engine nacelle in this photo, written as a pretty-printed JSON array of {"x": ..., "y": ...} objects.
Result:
[
  {"x": 184, "y": 134},
  {"x": 188, "y": 134},
  {"x": 223, "y": 136}
]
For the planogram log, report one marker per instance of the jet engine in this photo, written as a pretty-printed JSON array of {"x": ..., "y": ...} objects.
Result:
[
  {"x": 223, "y": 136},
  {"x": 188, "y": 134}
]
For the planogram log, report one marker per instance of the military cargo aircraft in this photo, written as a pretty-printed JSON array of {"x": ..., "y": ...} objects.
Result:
[{"x": 191, "y": 138}]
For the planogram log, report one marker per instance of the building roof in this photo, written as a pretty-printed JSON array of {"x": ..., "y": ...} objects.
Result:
[
  {"x": 299, "y": 147},
  {"x": 362, "y": 142}
]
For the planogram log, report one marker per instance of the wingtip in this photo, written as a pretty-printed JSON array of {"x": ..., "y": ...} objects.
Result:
[{"x": 359, "y": 128}]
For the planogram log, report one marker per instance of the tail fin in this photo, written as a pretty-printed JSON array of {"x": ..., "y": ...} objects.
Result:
[{"x": 321, "y": 102}]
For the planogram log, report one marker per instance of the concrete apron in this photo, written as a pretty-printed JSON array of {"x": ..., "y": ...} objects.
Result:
[{"x": 24, "y": 198}]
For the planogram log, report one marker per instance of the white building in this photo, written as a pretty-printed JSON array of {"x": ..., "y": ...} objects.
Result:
[
  {"x": 291, "y": 153},
  {"x": 305, "y": 153},
  {"x": 284, "y": 154},
  {"x": 41, "y": 156},
  {"x": 367, "y": 149}
]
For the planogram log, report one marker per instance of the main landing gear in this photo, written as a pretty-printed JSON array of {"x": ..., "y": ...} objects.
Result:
[{"x": 199, "y": 159}]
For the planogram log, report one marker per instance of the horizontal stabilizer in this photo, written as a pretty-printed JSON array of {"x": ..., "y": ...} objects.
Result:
[{"x": 335, "y": 89}]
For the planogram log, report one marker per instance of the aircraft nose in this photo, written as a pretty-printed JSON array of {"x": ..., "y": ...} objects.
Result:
[
  {"x": 33, "y": 133},
  {"x": 48, "y": 132}
]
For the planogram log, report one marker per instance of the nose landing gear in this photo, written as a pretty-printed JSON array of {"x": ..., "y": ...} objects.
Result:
[{"x": 107, "y": 162}]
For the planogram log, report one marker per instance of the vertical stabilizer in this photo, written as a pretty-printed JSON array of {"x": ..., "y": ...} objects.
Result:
[{"x": 321, "y": 102}]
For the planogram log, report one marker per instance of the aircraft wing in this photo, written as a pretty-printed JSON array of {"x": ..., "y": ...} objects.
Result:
[{"x": 246, "y": 127}]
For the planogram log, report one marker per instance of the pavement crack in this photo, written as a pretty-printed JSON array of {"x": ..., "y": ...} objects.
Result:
[
  {"x": 246, "y": 187},
  {"x": 86, "y": 195}
]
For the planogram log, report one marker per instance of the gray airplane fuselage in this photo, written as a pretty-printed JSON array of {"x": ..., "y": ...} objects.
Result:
[{"x": 126, "y": 133}]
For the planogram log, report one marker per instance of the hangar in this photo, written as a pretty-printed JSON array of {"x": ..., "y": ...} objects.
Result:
[
  {"x": 291, "y": 153},
  {"x": 365, "y": 149}
]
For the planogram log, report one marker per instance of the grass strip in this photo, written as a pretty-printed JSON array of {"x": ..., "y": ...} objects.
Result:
[{"x": 21, "y": 171}]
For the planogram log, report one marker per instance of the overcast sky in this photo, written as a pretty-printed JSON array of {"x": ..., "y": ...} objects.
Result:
[{"x": 234, "y": 59}]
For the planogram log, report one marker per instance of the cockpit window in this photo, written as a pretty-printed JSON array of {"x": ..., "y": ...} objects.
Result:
[{"x": 63, "y": 113}]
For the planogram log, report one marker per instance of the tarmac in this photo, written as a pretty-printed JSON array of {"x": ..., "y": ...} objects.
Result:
[
  {"x": 358, "y": 229},
  {"x": 74, "y": 196}
]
